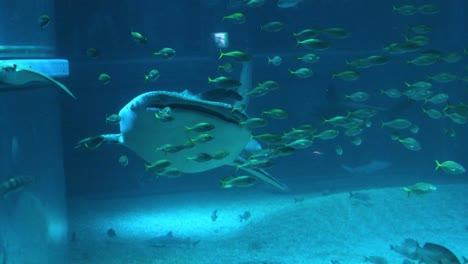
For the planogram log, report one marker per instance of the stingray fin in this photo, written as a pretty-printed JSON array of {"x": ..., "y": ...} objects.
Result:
[
  {"x": 28, "y": 75},
  {"x": 92, "y": 143}
]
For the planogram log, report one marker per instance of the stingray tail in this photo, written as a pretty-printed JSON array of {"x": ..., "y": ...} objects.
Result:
[
  {"x": 260, "y": 174},
  {"x": 96, "y": 141}
]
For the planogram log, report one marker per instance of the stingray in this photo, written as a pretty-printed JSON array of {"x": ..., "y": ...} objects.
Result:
[
  {"x": 17, "y": 75},
  {"x": 143, "y": 131}
]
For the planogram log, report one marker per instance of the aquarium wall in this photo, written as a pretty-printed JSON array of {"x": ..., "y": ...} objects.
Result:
[
  {"x": 33, "y": 221},
  {"x": 24, "y": 29},
  {"x": 33, "y": 217}
]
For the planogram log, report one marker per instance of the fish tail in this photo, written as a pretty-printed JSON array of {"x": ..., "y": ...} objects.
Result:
[
  {"x": 269, "y": 60},
  {"x": 210, "y": 80},
  {"x": 188, "y": 129},
  {"x": 438, "y": 165},
  {"x": 298, "y": 42},
  {"x": 221, "y": 54},
  {"x": 407, "y": 190},
  {"x": 147, "y": 167}
]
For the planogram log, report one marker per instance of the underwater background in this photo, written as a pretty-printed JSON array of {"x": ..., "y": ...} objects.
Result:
[{"x": 345, "y": 201}]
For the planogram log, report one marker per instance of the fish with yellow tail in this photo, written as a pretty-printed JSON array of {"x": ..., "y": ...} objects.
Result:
[
  {"x": 420, "y": 188},
  {"x": 239, "y": 181}
]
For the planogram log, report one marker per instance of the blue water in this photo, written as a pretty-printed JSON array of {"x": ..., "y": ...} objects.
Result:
[{"x": 187, "y": 27}]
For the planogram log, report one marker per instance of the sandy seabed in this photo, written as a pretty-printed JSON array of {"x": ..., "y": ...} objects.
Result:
[{"x": 282, "y": 229}]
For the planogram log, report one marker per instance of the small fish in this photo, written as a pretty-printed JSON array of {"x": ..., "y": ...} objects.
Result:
[
  {"x": 170, "y": 148},
  {"x": 357, "y": 141},
  {"x": 235, "y": 18},
  {"x": 92, "y": 52},
  {"x": 275, "y": 60},
  {"x": 254, "y": 3},
  {"x": 138, "y": 37},
  {"x": 302, "y": 73},
  {"x": 225, "y": 82},
  {"x": 317, "y": 153},
  {"x": 171, "y": 241},
  {"x": 420, "y": 29},
  {"x": 327, "y": 134},
  {"x": 339, "y": 150},
  {"x": 254, "y": 122},
  {"x": 398, "y": 123},
  {"x": 410, "y": 143},
  {"x": 376, "y": 259},
  {"x": 201, "y": 127},
  {"x": 164, "y": 115},
  {"x": 200, "y": 157},
  {"x": 336, "y": 33},
  {"x": 227, "y": 67},
  {"x": 111, "y": 233},
  {"x": 358, "y": 96},
  {"x": 428, "y": 9},
  {"x": 245, "y": 216},
  {"x": 169, "y": 172},
  {"x": 450, "y": 166},
  {"x": 237, "y": 55},
  {"x": 306, "y": 34},
  {"x": 104, "y": 78},
  {"x": 287, "y": 3},
  {"x": 91, "y": 142},
  {"x": 166, "y": 53},
  {"x": 14, "y": 184},
  {"x": 158, "y": 165},
  {"x": 405, "y": 10},
  {"x": 220, "y": 155},
  {"x": 433, "y": 113},
  {"x": 113, "y": 119},
  {"x": 314, "y": 44},
  {"x": 443, "y": 77},
  {"x": 276, "y": 113},
  {"x": 268, "y": 138},
  {"x": 347, "y": 75},
  {"x": 300, "y": 143},
  {"x": 152, "y": 76},
  {"x": 450, "y": 132},
  {"x": 309, "y": 58},
  {"x": 239, "y": 181},
  {"x": 274, "y": 26},
  {"x": 44, "y": 21},
  {"x": 420, "y": 188},
  {"x": 202, "y": 138},
  {"x": 214, "y": 215},
  {"x": 391, "y": 93}
]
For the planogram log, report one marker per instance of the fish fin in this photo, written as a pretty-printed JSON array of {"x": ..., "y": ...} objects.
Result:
[{"x": 438, "y": 165}]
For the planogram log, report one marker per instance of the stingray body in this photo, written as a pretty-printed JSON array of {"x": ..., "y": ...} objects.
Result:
[{"x": 144, "y": 132}]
